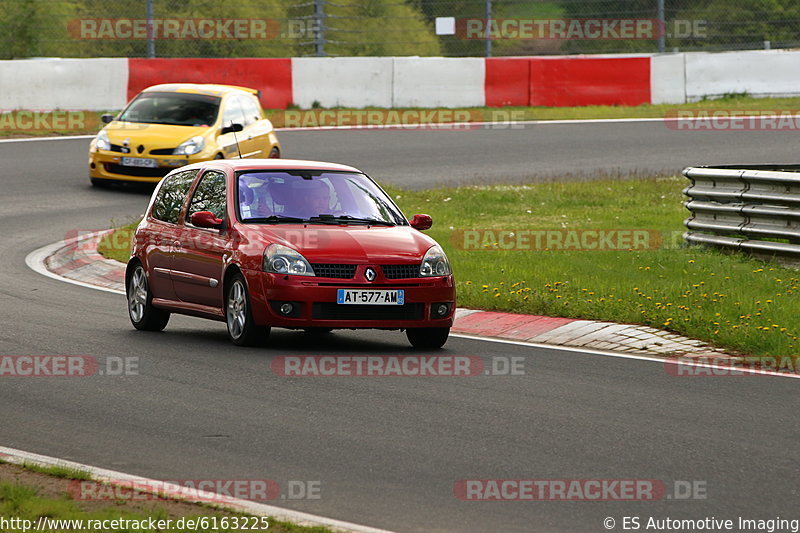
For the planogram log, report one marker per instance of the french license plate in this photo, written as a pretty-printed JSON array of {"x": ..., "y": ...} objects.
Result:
[
  {"x": 370, "y": 297},
  {"x": 139, "y": 162}
]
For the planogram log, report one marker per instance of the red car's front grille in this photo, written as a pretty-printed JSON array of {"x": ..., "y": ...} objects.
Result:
[
  {"x": 345, "y": 271},
  {"x": 400, "y": 271},
  {"x": 334, "y": 311},
  {"x": 330, "y": 270}
]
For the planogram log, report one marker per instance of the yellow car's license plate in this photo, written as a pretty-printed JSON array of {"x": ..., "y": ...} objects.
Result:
[
  {"x": 139, "y": 162},
  {"x": 370, "y": 297}
]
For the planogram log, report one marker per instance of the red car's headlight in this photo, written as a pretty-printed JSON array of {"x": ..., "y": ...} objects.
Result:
[
  {"x": 280, "y": 259},
  {"x": 435, "y": 263}
]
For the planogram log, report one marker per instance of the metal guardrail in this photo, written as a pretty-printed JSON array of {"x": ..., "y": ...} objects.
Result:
[{"x": 755, "y": 209}]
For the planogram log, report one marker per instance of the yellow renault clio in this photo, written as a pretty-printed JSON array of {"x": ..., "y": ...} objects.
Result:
[{"x": 171, "y": 125}]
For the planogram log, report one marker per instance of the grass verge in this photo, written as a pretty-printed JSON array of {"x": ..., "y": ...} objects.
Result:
[
  {"x": 29, "y": 492},
  {"x": 32, "y": 124},
  {"x": 117, "y": 245},
  {"x": 731, "y": 300}
]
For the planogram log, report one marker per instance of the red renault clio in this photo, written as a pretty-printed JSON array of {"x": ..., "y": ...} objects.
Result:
[{"x": 282, "y": 243}]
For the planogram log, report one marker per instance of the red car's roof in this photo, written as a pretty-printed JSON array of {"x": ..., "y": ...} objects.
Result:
[{"x": 258, "y": 164}]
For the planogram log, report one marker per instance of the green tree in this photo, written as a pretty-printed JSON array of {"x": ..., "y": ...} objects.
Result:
[
  {"x": 378, "y": 28},
  {"x": 744, "y": 24},
  {"x": 36, "y": 28},
  {"x": 52, "y": 28}
]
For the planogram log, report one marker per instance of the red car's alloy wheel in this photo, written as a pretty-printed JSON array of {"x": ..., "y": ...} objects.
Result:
[
  {"x": 140, "y": 303},
  {"x": 242, "y": 329}
]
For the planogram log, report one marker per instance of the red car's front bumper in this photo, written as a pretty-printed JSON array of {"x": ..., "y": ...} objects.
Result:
[{"x": 314, "y": 302}]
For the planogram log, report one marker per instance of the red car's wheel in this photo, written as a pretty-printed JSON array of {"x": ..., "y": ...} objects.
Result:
[
  {"x": 318, "y": 331},
  {"x": 140, "y": 303},
  {"x": 242, "y": 329},
  {"x": 427, "y": 338}
]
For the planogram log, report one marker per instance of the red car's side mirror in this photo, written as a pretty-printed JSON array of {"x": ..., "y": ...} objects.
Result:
[
  {"x": 421, "y": 222},
  {"x": 205, "y": 219}
]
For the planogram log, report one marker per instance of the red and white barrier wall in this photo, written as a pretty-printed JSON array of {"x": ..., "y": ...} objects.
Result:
[{"x": 107, "y": 84}]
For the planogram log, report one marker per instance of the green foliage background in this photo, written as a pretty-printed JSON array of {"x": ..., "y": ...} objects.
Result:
[{"x": 40, "y": 28}]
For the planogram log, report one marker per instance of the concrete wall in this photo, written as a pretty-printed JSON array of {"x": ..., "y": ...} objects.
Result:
[
  {"x": 67, "y": 84},
  {"x": 438, "y": 82},
  {"x": 106, "y": 84},
  {"x": 758, "y": 72},
  {"x": 342, "y": 81}
]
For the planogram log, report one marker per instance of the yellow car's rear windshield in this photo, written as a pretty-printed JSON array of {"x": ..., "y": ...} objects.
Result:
[{"x": 174, "y": 109}]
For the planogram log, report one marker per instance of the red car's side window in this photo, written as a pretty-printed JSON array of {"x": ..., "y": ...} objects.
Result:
[
  {"x": 172, "y": 195},
  {"x": 209, "y": 195}
]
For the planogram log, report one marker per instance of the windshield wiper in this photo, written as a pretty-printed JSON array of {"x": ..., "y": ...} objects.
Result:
[
  {"x": 276, "y": 219},
  {"x": 324, "y": 219},
  {"x": 370, "y": 221}
]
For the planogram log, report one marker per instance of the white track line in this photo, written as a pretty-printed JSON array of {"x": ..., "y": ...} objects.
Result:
[
  {"x": 463, "y": 125},
  {"x": 59, "y": 138},
  {"x": 12, "y": 455},
  {"x": 35, "y": 261},
  {"x": 682, "y": 361},
  {"x": 504, "y": 125}
]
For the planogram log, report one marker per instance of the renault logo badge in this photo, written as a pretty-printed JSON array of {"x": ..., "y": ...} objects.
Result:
[{"x": 370, "y": 274}]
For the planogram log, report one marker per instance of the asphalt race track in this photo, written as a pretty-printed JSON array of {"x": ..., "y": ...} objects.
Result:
[
  {"x": 420, "y": 159},
  {"x": 387, "y": 451}
]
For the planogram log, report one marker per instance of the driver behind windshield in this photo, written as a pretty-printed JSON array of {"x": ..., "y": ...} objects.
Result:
[{"x": 309, "y": 198}]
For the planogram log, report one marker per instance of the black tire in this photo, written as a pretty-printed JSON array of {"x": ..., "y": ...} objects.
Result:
[
  {"x": 143, "y": 315},
  {"x": 100, "y": 183},
  {"x": 219, "y": 156},
  {"x": 242, "y": 329},
  {"x": 427, "y": 338},
  {"x": 274, "y": 153}
]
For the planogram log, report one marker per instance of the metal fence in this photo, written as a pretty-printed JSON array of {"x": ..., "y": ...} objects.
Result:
[
  {"x": 287, "y": 28},
  {"x": 755, "y": 209}
]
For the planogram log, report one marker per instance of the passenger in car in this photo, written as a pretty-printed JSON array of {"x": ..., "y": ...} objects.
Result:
[{"x": 254, "y": 201}]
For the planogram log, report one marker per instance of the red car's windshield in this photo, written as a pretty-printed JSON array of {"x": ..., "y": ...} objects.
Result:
[{"x": 289, "y": 196}]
